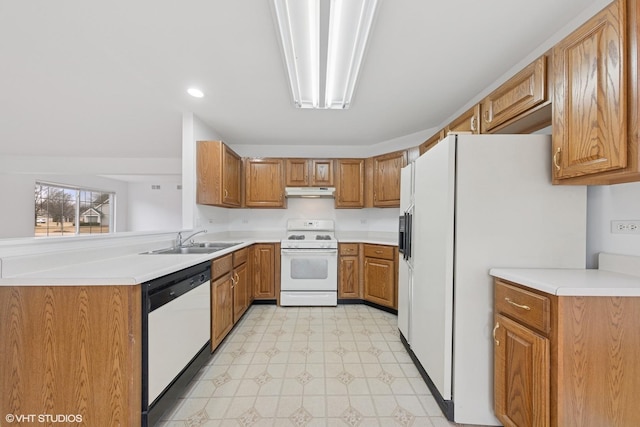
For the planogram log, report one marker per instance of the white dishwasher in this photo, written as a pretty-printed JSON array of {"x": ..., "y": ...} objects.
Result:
[{"x": 178, "y": 330}]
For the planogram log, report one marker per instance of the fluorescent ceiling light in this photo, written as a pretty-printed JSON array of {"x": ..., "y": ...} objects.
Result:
[
  {"x": 323, "y": 43},
  {"x": 195, "y": 92}
]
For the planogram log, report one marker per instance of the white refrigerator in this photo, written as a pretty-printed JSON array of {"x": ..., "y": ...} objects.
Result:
[
  {"x": 405, "y": 264},
  {"x": 480, "y": 201}
]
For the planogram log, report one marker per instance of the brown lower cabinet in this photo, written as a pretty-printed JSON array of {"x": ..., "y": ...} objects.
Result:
[
  {"x": 221, "y": 299},
  {"x": 242, "y": 293},
  {"x": 349, "y": 271},
  {"x": 565, "y": 361},
  {"x": 265, "y": 271},
  {"x": 73, "y": 351},
  {"x": 231, "y": 293},
  {"x": 368, "y": 272},
  {"x": 380, "y": 274}
]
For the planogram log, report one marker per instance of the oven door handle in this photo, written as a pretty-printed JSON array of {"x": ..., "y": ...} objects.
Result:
[{"x": 309, "y": 251}]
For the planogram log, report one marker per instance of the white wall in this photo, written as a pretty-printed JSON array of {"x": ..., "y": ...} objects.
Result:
[
  {"x": 155, "y": 209},
  {"x": 332, "y": 151},
  {"x": 195, "y": 216},
  {"x": 605, "y": 204},
  {"x": 373, "y": 219}
]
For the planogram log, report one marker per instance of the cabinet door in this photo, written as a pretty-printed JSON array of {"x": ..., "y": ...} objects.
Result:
[
  {"x": 297, "y": 172},
  {"x": 219, "y": 175},
  {"x": 522, "y": 92},
  {"x": 222, "y": 309},
  {"x": 467, "y": 122},
  {"x": 264, "y": 183},
  {"x": 349, "y": 277},
  {"x": 231, "y": 177},
  {"x": 350, "y": 183},
  {"x": 240, "y": 292},
  {"x": 386, "y": 179},
  {"x": 263, "y": 271},
  {"x": 321, "y": 173},
  {"x": 379, "y": 281},
  {"x": 590, "y": 97},
  {"x": 521, "y": 375}
]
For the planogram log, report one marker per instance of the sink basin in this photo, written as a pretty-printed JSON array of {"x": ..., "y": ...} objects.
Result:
[
  {"x": 197, "y": 248},
  {"x": 217, "y": 245}
]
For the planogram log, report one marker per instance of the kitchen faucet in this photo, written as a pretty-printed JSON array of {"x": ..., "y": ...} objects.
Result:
[{"x": 180, "y": 240}]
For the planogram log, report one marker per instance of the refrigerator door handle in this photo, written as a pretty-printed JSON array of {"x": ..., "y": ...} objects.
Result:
[
  {"x": 405, "y": 254},
  {"x": 408, "y": 233}
]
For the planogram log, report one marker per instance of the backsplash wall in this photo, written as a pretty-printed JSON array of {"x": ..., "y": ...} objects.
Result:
[
  {"x": 605, "y": 204},
  {"x": 373, "y": 219}
]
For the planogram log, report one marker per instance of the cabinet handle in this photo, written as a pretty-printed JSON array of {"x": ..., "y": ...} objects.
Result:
[
  {"x": 378, "y": 251},
  {"x": 237, "y": 277},
  {"x": 486, "y": 116},
  {"x": 495, "y": 328},
  {"x": 226, "y": 193},
  {"x": 555, "y": 159},
  {"x": 524, "y": 307},
  {"x": 474, "y": 123}
]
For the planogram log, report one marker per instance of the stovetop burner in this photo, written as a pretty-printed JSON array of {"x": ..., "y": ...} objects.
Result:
[{"x": 309, "y": 234}]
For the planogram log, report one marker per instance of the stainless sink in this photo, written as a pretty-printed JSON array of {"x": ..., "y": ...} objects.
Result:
[
  {"x": 216, "y": 245},
  {"x": 196, "y": 248}
]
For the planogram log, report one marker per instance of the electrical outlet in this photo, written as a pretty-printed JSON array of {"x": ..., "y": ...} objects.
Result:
[{"x": 625, "y": 227}]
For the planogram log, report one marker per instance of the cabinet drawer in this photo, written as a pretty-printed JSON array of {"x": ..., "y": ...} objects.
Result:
[
  {"x": 378, "y": 251},
  {"x": 527, "y": 307},
  {"x": 221, "y": 266},
  {"x": 348, "y": 249},
  {"x": 240, "y": 257}
]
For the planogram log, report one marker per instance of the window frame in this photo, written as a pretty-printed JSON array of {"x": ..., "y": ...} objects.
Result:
[{"x": 77, "y": 201}]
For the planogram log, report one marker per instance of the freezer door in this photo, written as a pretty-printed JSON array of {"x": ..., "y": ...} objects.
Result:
[
  {"x": 405, "y": 291},
  {"x": 432, "y": 299}
]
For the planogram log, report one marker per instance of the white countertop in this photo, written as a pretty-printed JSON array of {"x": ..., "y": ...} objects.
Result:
[
  {"x": 572, "y": 282},
  {"x": 135, "y": 268},
  {"x": 123, "y": 270},
  {"x": 373, "y": 237}
]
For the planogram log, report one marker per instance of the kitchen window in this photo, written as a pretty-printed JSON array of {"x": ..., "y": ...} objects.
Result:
[{"x": 63, "y": 210}]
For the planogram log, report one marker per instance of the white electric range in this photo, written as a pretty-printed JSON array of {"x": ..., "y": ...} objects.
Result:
[{"x": 309, "y": 264}]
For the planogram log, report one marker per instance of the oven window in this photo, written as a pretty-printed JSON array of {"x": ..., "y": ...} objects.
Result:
[{"x": 309, "y": 268}]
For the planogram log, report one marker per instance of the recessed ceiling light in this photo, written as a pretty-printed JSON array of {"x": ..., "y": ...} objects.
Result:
[{"x": 195, "y": 92}]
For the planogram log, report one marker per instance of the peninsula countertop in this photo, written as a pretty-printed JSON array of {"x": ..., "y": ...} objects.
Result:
[{"x": 139, "y": 267}]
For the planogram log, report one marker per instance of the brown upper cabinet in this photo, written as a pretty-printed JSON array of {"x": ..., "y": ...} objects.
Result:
[
  {"x": 349, "y": 183},
  {"x": 386, "y": 178},
  {"x": 516, "y": 97},
  {"x": 469, "y": 121},
  {"x": 595, "y": 107},
  {"x": 309, "y": 172},
  {"x": 219, "y": 175},
  {"x": 264, "y": 183},
  {"x": 425, "y": 146}
]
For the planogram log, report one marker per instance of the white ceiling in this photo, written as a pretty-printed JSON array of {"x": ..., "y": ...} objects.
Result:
[{"x": 108, "y": 79}]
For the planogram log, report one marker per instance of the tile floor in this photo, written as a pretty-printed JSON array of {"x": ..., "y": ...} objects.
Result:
[{"x": 309, "y": 366}]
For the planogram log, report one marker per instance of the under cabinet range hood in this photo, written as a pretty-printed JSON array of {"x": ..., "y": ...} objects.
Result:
[{"x": 309, "y": 192}]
